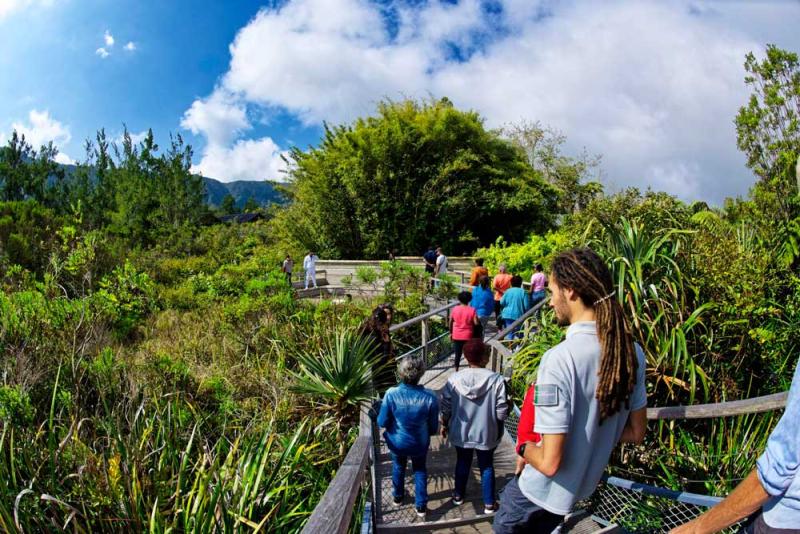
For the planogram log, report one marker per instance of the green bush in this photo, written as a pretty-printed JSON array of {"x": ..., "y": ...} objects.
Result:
[{"x": 15, "y": 406}]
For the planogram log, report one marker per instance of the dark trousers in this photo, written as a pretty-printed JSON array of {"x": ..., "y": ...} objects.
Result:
[
  {"x": 518, "y": 515},
  {"x": 485, "y": 464},
  {"x": 458, "y": 347}
]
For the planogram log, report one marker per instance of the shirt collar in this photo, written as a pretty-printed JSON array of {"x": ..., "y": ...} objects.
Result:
[{"x": 582, "y": 327}]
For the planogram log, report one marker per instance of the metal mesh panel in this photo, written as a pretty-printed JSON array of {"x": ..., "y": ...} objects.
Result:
[
  {"x": 639, "y": 508},
  {"x": 437, "y": 349}
]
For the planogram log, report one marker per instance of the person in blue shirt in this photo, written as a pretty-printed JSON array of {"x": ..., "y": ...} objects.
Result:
[
  {"x": 483, "y": 302},
  {"x": 410, "y": 415},
  {"x": 514, "y": 304},
  {"x": 771, "y": 492}
]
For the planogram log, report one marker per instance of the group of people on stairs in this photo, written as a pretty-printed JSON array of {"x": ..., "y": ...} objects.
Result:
[{"x": 589, "y": 395}]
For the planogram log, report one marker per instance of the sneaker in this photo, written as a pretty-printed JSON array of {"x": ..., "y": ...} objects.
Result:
[
  {"x": 421, "y": 511},
  {"x": 397, "y": 501},
  {"x": 458, "y": 500},
  {"x": 490, "y": 508}
]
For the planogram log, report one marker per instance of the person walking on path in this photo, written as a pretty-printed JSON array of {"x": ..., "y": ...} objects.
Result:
[
  {"x": 589, "y": 395},
  {"x": 483, "y": 302},
  {"x": 771, "y": 492},
  {"x": 287, "y": 267},
  {"x": 477, "y": 271},
  {"x": 376, "y": 330},
  {"x": 463, "y": 320},
  {"x": 474, "y": 406},
  {"x": 410, "y": 415},
  {"x": 310, "y": 267},
  {"x": 538, "y": 283},
  {"x": 501, "y": 283},
  {"x": 514, "y": 304}
]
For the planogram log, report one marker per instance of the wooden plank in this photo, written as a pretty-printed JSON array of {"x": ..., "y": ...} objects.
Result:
[
  {"x": 721, "y": 409},
  {"x": 335, "y": 509}
]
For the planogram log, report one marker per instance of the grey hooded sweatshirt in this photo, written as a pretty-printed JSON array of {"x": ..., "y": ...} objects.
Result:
[{"x": 474, "y": 405}]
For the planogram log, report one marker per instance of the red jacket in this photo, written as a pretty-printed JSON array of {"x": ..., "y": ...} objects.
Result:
[{"x": 526, "y": 420}]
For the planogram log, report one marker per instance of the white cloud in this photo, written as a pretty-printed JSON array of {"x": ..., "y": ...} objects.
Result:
[
  {"x": 653, "y": 87},
  {"x": 102, "y": 52},
  {"x": 130, "y": 47},
  {"x": 7, "y": 7},
  {"x": 251, "y": 159},
  {"x": 41, "y": 129},
  {"x": 64, "y": 159},
  {"x": 108, "y": 38},
  {"x": 220, "y": 117}
]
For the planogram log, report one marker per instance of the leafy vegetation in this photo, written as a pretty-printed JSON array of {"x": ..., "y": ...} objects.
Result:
[{"x": 159, "y": 373}]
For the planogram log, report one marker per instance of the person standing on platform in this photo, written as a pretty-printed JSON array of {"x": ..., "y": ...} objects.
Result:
[
  {"x": 440, "y": 268},
  {"x": 410, "y": 415},
  {"x": 514, "y": 304},
  {"x": 589, "y": 395},
  {"x": 477, "y": 271},
  {"x": 376, "y": 330},
  {"x": 463, "y": 320},
  {"x": 287, "y": 267},
  {"x": 483, "y": 302},
  {"x": 430, "y": 260},
  {"x": 501, "y": 283},
  {"x": 310, "y": 267},
  {"x": 474, "y": 406},
  {"x": 538, "y": 283}
]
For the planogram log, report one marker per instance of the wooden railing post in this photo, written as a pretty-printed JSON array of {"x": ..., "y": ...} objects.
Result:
[{"x": 425, "y": 327}]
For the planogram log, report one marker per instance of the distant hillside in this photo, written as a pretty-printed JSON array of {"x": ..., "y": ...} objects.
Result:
[
  {"x": 261, "y": 192},
  {"x": 241, "y": 190}
]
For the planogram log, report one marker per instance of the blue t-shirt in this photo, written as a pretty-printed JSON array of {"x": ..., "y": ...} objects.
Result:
[
  {"x": 410, "y": 415},
  {"x": 482, "y": 301},
  {"x": 514, "y": 303}
]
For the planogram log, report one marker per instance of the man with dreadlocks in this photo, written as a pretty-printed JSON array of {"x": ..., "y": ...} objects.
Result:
[{"x": 589, "y": 395}]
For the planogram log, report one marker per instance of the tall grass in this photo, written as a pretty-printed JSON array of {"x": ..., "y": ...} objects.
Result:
[{"x": 157, "y": 467}]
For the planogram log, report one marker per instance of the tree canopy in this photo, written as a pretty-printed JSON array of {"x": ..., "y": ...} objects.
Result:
[{"x": 412, "y": 175}]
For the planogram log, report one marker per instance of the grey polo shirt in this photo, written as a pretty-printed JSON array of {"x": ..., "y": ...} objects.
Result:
[{"x": 565, "y": 403}]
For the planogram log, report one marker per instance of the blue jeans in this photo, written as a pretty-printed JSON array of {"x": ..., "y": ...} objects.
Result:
[
  {"x": 420, "y": 477},
  {"x": 485, "y": 464}
]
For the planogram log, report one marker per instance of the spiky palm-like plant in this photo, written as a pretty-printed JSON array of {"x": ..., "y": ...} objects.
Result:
[{"x": 339, "y": 376}]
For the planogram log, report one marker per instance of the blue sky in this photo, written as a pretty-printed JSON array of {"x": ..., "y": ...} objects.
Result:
[{"x": 651, "y": 86}]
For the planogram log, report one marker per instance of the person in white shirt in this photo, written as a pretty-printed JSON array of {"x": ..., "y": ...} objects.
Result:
[
  {"x": 440, "y": 269},
  {"x": 310, "y": 266}
]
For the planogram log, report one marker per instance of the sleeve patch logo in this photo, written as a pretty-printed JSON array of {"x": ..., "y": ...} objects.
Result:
[{"x": 545, "y": 395}]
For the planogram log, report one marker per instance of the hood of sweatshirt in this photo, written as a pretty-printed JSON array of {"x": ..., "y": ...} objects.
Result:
[{"x": 474, "y": 383}]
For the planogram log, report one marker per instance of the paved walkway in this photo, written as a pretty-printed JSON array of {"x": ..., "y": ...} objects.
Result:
[{"x": 442, "y": 516}]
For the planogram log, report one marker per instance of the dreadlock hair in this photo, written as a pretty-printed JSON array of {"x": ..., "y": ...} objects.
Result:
[{"x": 584, "y": 272}]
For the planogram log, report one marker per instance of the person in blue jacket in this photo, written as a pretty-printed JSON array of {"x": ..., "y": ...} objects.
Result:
[
  {"x": 514, "y": 304},
  {"x": 483, "y": 302},
  {"x": 410, "y": 415}
]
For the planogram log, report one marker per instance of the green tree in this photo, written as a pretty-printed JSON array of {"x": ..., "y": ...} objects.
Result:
[
  {"x": 251, "y": 205},
  {"x": 768, "y": 127},
  {"x": 28, "y": 174},
  {"x": 413, "y": 174},
  {"x": 570, "y": 176},
  {"x": 228, "y": 205}
]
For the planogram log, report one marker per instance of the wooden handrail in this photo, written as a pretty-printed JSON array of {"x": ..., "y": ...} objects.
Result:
[
  {"x": 335, "y": 510},
  {"x": 766, "y": 403},
  {"x": 420, "y": 318}
]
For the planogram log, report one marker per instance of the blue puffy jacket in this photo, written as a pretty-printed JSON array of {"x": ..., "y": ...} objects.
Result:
[{"x": 410, "y": 415}]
